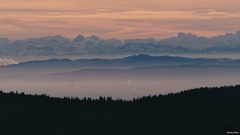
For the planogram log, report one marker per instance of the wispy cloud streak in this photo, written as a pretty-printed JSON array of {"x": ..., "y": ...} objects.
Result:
[{"x": 153, "y": 18}]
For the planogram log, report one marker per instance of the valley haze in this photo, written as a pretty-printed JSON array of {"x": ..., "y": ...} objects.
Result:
[{"x": 127, "y": 78}]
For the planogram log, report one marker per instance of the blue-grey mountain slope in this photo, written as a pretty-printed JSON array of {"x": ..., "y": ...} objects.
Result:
[{"x": 141, "y": 60}]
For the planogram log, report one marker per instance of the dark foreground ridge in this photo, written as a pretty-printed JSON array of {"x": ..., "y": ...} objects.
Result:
[{"x": 203, "y": 111}]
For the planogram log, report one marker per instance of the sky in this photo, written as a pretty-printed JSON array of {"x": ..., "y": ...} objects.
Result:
[{"x": 121, "y": 19}]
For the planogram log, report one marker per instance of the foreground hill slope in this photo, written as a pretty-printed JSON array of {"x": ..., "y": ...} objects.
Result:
[{"x": 200, "y": 111}]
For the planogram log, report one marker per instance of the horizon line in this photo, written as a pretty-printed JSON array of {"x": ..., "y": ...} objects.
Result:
[{"x": 122, "y": 39}]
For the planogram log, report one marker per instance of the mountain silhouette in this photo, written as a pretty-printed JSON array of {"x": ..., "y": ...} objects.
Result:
[
  {"x": 183, "y": 43},
  {"x": 141, "y": 60},
  {"x": 208, "y": 111}
]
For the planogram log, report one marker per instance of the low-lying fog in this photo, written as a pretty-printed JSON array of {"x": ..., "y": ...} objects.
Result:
[{"x": 118, "y": 83}]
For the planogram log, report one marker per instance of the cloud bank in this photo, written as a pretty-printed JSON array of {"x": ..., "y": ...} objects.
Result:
[{"x": 117, "y": 19}]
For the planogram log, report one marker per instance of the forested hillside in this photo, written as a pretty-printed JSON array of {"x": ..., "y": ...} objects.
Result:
[{"x": 203, "y": 111}]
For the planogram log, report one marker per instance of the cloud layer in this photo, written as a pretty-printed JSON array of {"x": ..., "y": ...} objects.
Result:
[{"x": 121, "y": 19}]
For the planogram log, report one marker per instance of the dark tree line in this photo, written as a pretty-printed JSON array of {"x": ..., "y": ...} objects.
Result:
[{"x": 202, "y": 111}]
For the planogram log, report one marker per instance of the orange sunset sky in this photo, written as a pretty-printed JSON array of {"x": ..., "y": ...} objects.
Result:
[{"x": 117, "y": 18}]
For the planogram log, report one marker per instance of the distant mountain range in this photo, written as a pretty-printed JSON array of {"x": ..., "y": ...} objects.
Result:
[
  {"x": 60, "y": 46},
  {"x": 141, "y": 60}
]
